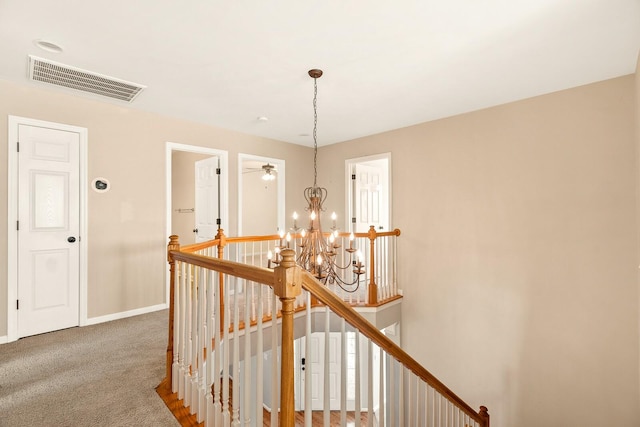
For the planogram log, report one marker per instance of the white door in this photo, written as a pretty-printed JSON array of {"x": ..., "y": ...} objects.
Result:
[
  {"x": 316, "y": 363},
  {"x": 369, "y": 198},
  {"x": 48, "y": 230},
  {"x": 206, "y": 204}
]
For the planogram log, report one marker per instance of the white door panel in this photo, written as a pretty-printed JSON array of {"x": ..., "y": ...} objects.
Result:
[
  {"x": 49, "y": 226},
  {"x": 368, "y": 188},
  {"x": 315, "y": 361},
  {"x": 206, "y": 204}
]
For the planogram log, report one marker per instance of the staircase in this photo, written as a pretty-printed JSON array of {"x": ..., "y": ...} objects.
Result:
[{"x": 240, "y": 322}]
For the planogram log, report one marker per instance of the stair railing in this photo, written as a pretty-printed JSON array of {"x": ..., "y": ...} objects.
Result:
[
  {"x": 379, "y": 251},
  {"x": 231, "y": 322},
  {"x": 408, "y": 393}
]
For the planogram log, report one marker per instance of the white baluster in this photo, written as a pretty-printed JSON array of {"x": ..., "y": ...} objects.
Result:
[
  {"x": 428, "y": 407},
  {"x": 194, "y": 341},
  {"x": 401, "y": 395},
  {"x": 419, "y": 402},
  {"x": 307, "y": 369},
  {"x": 410, "y": 410},
  {"x": 440, "y": 417},
  {"x": 327, "y": 378},
  {"x": 395, "y": 265},
  {"x": 391, "y": 390},
  {"x": 175, "y": 363},
  {"x": 369, "y": 383},
  {"x": 189, "y": 348},
  {"x": 343, "y": 374},
  {"x": 235, "y": 417},
  {"x": 381, "y": 390},
  {"x": 226, "y": 415},
  {"x": 210, "y": 331},
  {"x": 217, "y": 366},
  {"x": 275, "y": 376},
  {"x": 357, "y": 403},
  {"x": 385, "y": 266},
  {"x": 247, "y": 355},
  {"x": 254, "y": 316},
  {"x": 259, "y": 358},
  {"x": 201, "y": 344},
  {"x": 182, "y": 332}
]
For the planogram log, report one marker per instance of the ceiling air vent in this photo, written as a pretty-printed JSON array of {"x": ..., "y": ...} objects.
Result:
[{"x": 46, "y": 71}]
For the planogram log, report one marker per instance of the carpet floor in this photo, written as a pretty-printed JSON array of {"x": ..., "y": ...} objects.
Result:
[{"x": 100, "y": 375}]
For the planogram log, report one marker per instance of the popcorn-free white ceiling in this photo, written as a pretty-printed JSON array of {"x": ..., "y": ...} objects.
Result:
[{"x": 386, "y": 64}]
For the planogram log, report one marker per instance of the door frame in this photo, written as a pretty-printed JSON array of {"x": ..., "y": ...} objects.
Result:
[
  {"x": 224, "y": 187},
  {"x": 348, "y": 165},
  {"x": 12, "y": 218}
]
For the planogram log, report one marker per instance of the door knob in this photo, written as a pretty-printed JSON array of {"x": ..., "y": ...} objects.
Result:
[
  {"x": 71, "y": 239},
  {"x": 195, "y": 230}
]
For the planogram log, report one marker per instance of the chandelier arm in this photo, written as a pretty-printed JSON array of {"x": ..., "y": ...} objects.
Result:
[{"x": 336, "y": 279}]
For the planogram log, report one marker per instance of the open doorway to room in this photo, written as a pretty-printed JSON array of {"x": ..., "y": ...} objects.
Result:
[
  {"x": 195, "y": 175},
  {"x": 261, "y": 199},
  {"x": 368, "y": 192},
  {"x": 193, "y": 179}
]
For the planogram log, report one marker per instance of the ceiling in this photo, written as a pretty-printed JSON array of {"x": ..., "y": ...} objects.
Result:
[{"x": 386, "y": 64}]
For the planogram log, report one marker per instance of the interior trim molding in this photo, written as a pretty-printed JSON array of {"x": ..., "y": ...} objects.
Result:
[{"x": 125, "y": 314}]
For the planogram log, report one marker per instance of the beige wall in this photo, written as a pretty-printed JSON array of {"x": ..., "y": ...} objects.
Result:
[
  {"x": 518, "y": 255},
  {"x": 126, "y": 225},
  {"x": 259, "y": 205}
]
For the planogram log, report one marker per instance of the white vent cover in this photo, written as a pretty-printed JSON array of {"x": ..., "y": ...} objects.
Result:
[{"x": 43, "y": 70}]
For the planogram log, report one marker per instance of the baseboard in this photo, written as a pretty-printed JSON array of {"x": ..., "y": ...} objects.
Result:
[
  {"x": 4, "y": 339},
  {"x": 125, "y": 314}
]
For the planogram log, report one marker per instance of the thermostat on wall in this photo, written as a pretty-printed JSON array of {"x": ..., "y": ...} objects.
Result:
[{"x": 100, "y": 185}]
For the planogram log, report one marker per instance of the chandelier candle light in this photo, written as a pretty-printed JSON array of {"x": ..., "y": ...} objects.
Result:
[{"x": 317, "y": 250}]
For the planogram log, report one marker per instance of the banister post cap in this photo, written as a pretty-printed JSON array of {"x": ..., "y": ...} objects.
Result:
[
  {"x": 174, "y": 245},
  {"x": 372, "y": 232},
  {"x": 287, "y": 276}
]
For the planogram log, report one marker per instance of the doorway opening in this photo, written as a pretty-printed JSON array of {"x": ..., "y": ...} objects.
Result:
[
  {"x": 261, "y": 202},
  {"x": 184, "y": 207}
]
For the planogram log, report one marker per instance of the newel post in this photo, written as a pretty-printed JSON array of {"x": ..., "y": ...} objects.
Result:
[
  {"x": 222, "y": 242},
  {"x": 484, "y": 416},
  {"x": 174, "y": 245},
  {"x": 372, "y": 297},
  {"x": 287, "y": 286}
]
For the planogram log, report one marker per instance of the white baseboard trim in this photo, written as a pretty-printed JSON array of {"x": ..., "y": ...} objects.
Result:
[
  {"x": 125, "y": 314},
  {"x": 4, "y": 339}
]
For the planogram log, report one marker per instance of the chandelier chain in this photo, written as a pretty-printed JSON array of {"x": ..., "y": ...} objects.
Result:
[{"x": 315, "y": 128}]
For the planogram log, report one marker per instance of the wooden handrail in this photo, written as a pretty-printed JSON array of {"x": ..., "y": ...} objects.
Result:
[
  {"x": 371, "y": 235},
  {"x": 246, "y": 239},
  {"x": 244, "y": 271},
  {"x": 199, "y": 246},
  {"x": 356, "y": 320}
]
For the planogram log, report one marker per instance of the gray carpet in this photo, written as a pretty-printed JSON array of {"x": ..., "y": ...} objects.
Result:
[{"x": 101, "y": 375}]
